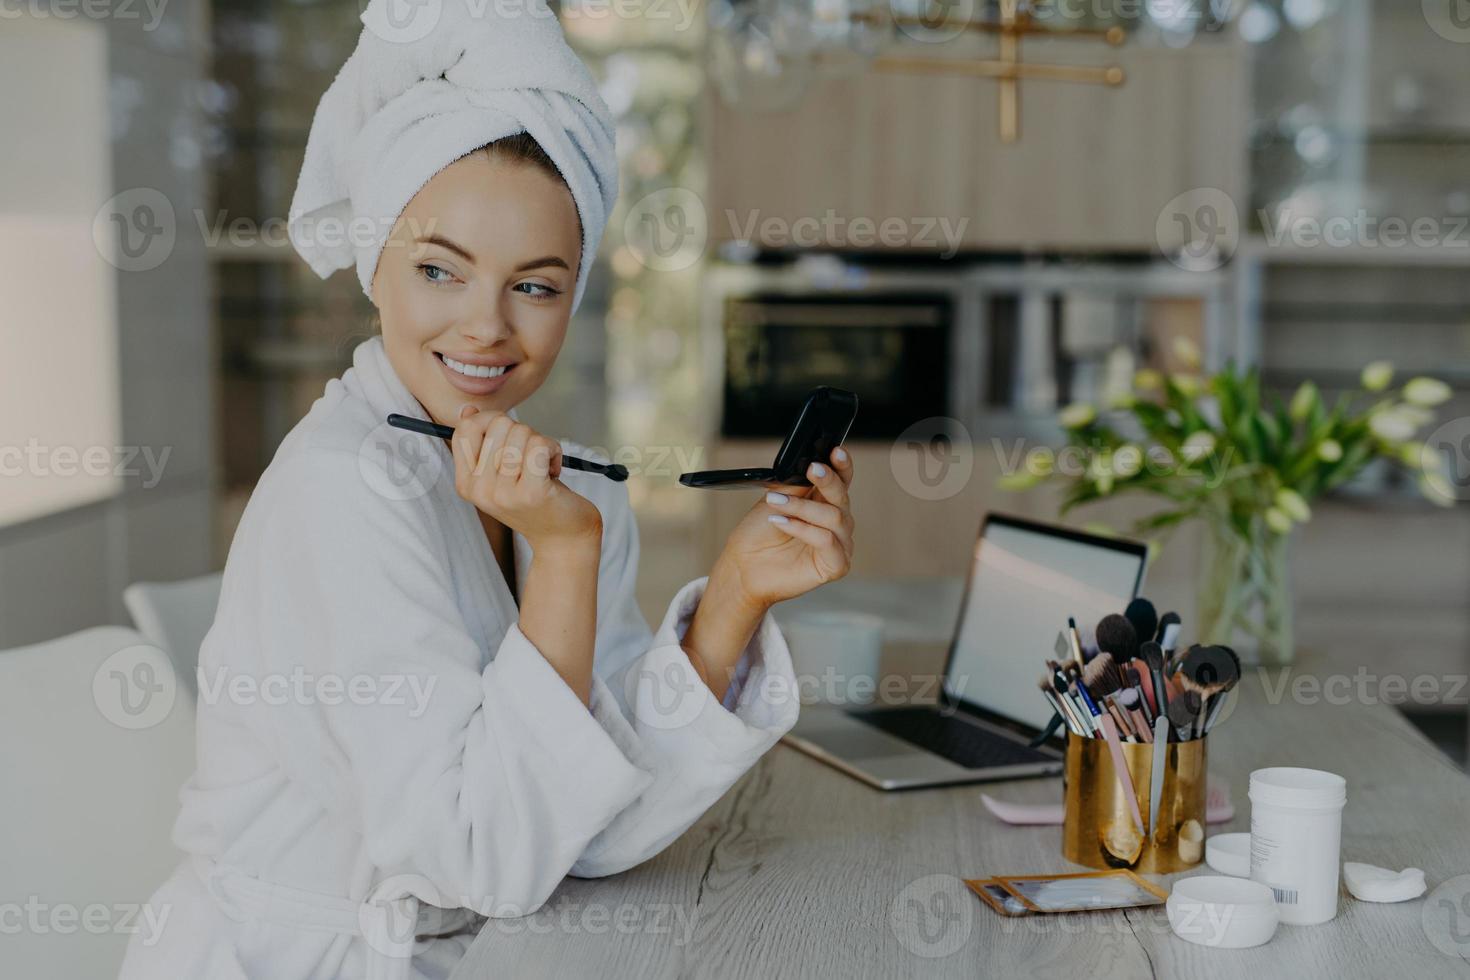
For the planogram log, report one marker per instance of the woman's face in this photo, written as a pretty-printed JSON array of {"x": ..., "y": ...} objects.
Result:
[{"x": 477, "y": 279}]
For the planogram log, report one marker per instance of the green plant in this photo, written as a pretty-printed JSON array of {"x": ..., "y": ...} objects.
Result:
[
  {"x": 1220, "y": 449},
  {"x": 1219, "y": 444}
]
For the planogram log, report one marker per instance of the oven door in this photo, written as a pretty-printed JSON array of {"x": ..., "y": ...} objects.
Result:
[{"x": 892, "y": 350}]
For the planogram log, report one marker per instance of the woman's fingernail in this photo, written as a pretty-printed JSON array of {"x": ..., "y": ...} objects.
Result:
[
  {"x": 776, "y": 498},
  {"x": 818, "y": 469},
  {"x": 840, "y": 453},
  {"x": 776, "y": 518}
]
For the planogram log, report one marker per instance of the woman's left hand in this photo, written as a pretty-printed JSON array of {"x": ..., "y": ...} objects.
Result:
[{"x": 782, "y": 549}]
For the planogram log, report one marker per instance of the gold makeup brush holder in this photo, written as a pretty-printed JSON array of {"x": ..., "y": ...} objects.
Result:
[{"x": 1098, "y": 829}]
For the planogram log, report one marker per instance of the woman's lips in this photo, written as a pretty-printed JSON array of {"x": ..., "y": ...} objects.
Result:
[{"x": 474, "y": 386}]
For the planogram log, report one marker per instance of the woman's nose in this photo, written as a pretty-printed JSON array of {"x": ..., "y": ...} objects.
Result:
[{"x": 488, "y": 325}]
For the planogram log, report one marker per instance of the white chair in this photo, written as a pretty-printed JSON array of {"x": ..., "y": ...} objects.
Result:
[
  {"x": 176, "y": 616},
  {"x": 95, "y": 741}
]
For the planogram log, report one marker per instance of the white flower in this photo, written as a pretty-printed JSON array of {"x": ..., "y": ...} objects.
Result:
[
  {"x": 1434, "y": 474},
  {"x": 1329, "y": 451},
  {"x": 1041, "y": 461},
  {"x": 1303, "y": 400},
  {"x": 1127, "y": 460},
  {"x": 1101, "y": 472},
  {"x": 1293, "y": 505},
  {"x": 1117, "y": 385},
  {"x": 1416, "y": 414},
  {"x": 1277, "y": 520},
  {"x": 1426, "y": 392},
  {"x": 1393, "y": 425},
  {"x": 1186, "y": 351},
  {"x": 1078, "y": 416},
  {"x": 1148, "y": 380},
  {"x": 1198, "y": 446},
  {"x": 1377, "y": 375}
]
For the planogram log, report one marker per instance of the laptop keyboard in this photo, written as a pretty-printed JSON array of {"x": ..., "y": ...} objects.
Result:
[{"x": 957, "y": 740}]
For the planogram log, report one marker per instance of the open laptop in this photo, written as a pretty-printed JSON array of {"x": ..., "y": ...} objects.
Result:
[{"x": 1024, "y": 581}]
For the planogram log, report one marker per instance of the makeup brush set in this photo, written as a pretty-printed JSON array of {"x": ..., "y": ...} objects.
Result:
[
  {"x": 1133, "y": 684},
  {"x": 1151, "y": 703}
]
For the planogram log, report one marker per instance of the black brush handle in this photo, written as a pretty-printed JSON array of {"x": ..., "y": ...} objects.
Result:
[
  {"x": 1050, "y": 730},
  {"x": 613, "y": 471}
]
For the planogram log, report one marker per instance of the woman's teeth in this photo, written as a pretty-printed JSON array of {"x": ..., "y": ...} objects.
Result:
[{"x": 472, "y": 370}]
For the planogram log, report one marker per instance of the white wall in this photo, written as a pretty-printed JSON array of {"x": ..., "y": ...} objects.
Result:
[{"x": 66, "y": 570}]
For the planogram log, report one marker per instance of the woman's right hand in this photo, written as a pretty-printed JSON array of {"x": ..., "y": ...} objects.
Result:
[{"x": 509, "y": 471}]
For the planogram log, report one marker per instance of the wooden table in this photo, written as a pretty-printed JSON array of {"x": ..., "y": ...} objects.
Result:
[{"x": 801, "y": 871}]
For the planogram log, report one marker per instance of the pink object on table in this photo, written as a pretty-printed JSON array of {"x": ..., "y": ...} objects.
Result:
[{"x": 1218, "y": 808}]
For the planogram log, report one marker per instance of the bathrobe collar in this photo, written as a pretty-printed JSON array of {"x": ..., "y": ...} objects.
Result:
[{"x": 373, "y": 379}]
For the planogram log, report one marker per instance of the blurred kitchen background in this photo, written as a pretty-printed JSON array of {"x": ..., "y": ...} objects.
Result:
[{"x": 850, "y": 192}]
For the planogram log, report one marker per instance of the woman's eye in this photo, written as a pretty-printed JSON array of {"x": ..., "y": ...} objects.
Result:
[
  {"x": 433, "y": 273},
  {"x": 538, "y": 290}
]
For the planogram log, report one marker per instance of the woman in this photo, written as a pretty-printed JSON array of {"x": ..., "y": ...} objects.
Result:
[{"x": 429, "y": 694}]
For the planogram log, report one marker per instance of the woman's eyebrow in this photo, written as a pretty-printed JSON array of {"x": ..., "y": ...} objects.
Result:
[
  {"x": 443, "y": 242},
  {"x": 546, "y": 261},
  {"x": 542, "y": 263}
]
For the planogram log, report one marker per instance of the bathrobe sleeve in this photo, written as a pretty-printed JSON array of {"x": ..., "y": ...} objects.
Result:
[
  {"x": 485, "y": 791},
  {"x": 649, "y": 699}
]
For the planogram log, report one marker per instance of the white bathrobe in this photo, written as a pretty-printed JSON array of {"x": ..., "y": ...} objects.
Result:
[{"x": 378, "y": 740}]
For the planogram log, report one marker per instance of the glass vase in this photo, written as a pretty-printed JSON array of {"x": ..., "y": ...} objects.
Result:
[{"x": 1245, "y": 592}]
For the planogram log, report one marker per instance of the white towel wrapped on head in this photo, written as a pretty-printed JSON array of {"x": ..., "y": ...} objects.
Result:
[{"x": 432, "y": 80}]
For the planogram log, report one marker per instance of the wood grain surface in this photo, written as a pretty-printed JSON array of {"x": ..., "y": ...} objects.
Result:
[{"x": 801, "y": 871}]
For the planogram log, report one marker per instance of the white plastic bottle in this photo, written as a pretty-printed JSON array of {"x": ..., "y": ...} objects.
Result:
[{"x": 1296, "y": 840}]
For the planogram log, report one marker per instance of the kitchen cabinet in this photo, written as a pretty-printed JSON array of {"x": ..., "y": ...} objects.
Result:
[{"x": 1092, "y": 170}]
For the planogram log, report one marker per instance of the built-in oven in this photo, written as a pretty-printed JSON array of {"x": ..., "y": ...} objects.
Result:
[
  {"x": 892, "y": 348},
  {"x": 996, "y": 344}
]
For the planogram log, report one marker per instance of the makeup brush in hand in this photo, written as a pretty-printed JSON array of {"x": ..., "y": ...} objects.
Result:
[{"x": 613, "y": 471}]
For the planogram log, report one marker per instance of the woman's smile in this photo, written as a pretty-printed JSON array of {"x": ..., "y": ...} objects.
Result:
[{"x": 475, "y": 375}]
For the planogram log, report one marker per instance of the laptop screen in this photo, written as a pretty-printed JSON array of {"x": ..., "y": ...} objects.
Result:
[{"x": 1025, "y": 581}]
